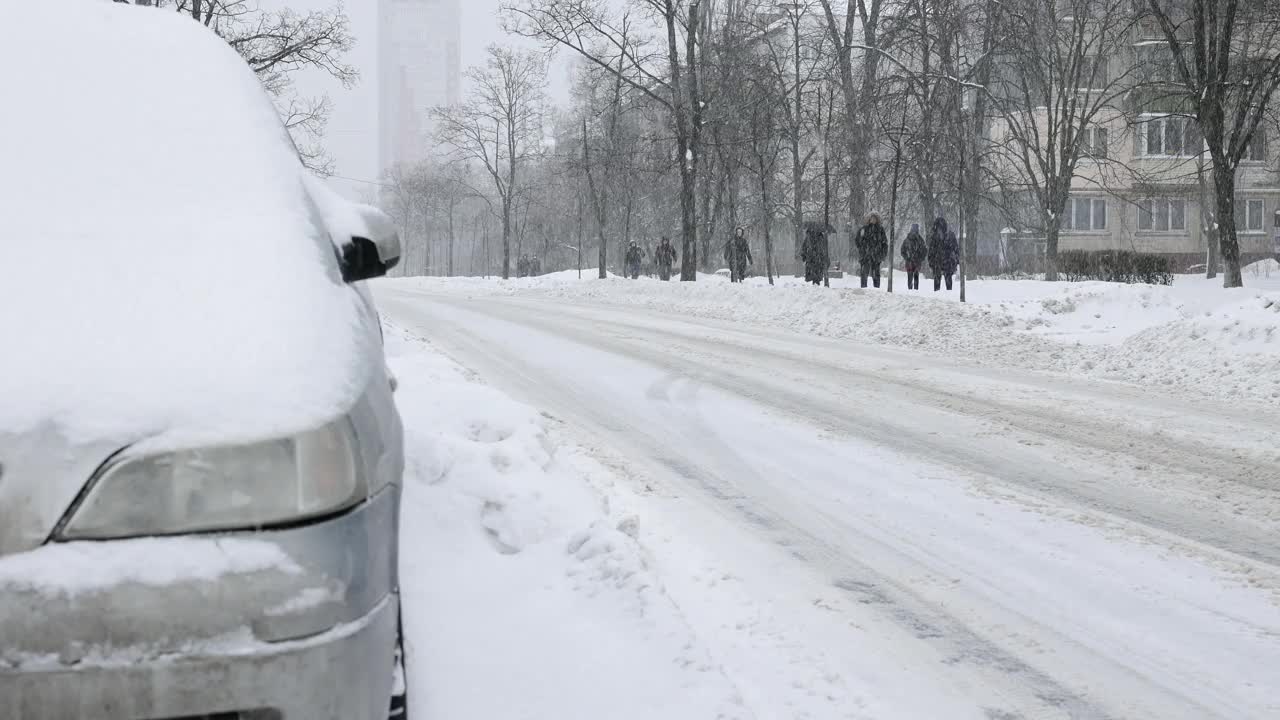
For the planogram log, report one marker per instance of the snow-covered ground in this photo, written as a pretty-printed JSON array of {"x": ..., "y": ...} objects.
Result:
[
  {"x": 743, "y": 514},
  {"x": 528, "y": 593},
  {"x": 1193, "y": 336}
]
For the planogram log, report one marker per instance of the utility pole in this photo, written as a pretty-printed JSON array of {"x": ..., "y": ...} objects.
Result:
[{"x": 964, "y": 164}]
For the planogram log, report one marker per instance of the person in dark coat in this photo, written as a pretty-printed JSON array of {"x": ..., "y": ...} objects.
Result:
[
  {"x": 665, "y": 256},
  {"x": 535, "y": 266},
  {"x": 914, "y": 252},
  {"x": 737, "y": 253},
  {"x": 815, "y": 253},
  {"x": 522, "y": 266},
  {"x": 871, "y": 245},
  {"x": 634, "y": 259},
  {"x": 944, "y": 254}
]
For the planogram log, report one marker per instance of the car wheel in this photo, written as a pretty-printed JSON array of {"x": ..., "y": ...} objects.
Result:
[{"x": 399, "y": 709}]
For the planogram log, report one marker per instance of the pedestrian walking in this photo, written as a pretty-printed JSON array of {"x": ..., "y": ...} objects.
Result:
[
  {"x": 737, "y": 253},
  {"x": 914, "y": 252},
  {"x": 666, "y": 258},
  {"x": 871, "y": 246},
  {"x": 815, "y": 253},
  {"x": 634, "y": 259},
  {"x": 944, "y": 254}
]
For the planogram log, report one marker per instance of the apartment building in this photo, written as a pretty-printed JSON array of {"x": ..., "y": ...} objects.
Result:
[{"x": 1144, "y": 182}]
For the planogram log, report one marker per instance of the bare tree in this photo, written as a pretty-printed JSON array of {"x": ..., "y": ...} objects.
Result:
[
  {"x": 499, "y": 127},
  {"x": 1056, "y": 94},
  {"x": 1226, "y": 68},
  {"x": 796, "y": 62},
  {"x": 609, "y": 166},
  {"x": 663, "y": 65},
  {"x": 857, "y": 89}
]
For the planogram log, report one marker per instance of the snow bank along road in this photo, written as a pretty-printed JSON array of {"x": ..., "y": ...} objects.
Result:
[{"x": 861, "y": 532}]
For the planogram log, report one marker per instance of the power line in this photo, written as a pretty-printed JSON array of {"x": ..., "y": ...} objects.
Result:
[{"x": 358, "y": 180}]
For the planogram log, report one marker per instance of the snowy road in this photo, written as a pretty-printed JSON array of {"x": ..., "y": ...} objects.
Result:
[{"x": 866, "y": 533}]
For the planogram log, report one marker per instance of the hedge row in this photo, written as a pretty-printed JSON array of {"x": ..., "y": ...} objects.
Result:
[{"x": 1121, "y": 266}]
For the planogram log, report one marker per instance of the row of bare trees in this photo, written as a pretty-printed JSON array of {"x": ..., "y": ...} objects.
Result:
[{"x": 689, "y": 118}]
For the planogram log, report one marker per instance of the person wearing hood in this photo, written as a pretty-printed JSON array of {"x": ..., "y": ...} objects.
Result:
[
  {"x": 666, "y": 257},
  {"x": 872, "y": 245},
  {"x": 737, "y": 252},
  {"x": 634, "y": 259},
  {"x": 914, "y": 252},
  {"x": 944, "y": 254},
  {"x": 815, "y": 253}
]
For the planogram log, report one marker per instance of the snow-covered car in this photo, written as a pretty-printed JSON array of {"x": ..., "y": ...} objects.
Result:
[{"x": 200, "y": 456}]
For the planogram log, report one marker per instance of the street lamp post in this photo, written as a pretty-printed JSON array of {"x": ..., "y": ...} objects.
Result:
[
  {"x": 578, "y": 249},
  {"x": 893, "y": 194}
]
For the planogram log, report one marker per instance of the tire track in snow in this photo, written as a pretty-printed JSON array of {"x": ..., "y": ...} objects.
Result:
[{"x": 832, "y": 413}]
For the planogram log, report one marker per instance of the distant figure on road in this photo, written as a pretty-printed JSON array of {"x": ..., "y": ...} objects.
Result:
[
  {"x": 522, "y": 266},
  {"x": 737, "y": 253},
  {"x": 872, "y": 246},
  {"x": 634, "y": 259},
  {"x": 914, "y": 252},
  {"x": 815, "y": 253},
  {"x": 666, "y": 258},
  {"x": 944, "y": 254}
]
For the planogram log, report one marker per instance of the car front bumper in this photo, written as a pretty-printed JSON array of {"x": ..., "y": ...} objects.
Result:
[{"x": 309, "y": 638}]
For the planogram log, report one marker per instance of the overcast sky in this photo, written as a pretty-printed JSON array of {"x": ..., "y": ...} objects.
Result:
[{"x": 352, "y": 135}]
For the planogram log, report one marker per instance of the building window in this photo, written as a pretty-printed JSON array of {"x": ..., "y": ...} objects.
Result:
[
  {"x": 1084, "y": 214},
  {"x": 1250, "y": 215},
  {"x": 1148, "y": 28},
  {"x": 1168, "y": 136},
  {"x": 1162, "y": 214},
  {"x": 1257, "y": 147},
  {"x": 1093, "y": 72},
  {"x": 1093, "y": 143},
  {"x": 1155, "y": 61}
]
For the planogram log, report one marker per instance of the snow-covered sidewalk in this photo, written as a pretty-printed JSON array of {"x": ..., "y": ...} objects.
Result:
[
  {"x": 1191, "y": 337},
  {"x": 526, "y": 592}
]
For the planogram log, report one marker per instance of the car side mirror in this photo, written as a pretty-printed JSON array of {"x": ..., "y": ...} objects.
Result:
[{"x": 373, "y": 254}]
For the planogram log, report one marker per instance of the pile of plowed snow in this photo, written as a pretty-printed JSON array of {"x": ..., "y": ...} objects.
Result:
[{"x": 1193, "y": 336}]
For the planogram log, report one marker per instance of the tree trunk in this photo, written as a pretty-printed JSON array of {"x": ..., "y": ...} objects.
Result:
[
  {"x": 452, "y": 235},
  {"x": 797, "y": 199},
  {"x": 765, "y": 220},
  {"x": 893, "y": 198},
  {"x": 626, "y": 221},
  {"x": 687, "y": 121},
  {"x": 506, "y": 239},
  {"x": 597, "y": 202},
  {"x": 688, "y": 221},
  {"x": 1051, "y": 251},
  {"x": 1224, "y": 187},
  {"x": 1208, "y": 227},
  {"x": 854, "y": 112}
]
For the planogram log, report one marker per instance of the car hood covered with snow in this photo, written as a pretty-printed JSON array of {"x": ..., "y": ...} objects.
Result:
[{"x": 168, "y": 275}]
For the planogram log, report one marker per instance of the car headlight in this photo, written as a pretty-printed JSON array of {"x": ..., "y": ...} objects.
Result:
[{"x": 221, "y": 488}]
